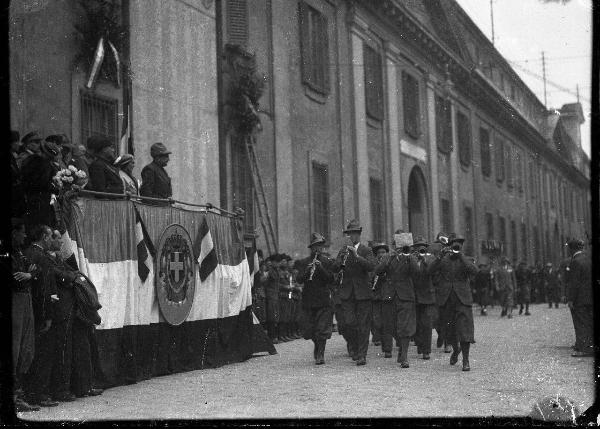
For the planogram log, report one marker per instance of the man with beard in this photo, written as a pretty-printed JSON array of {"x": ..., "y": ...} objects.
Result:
[
  {"x": 425, "y": 297},
  {"x": 523, "y": 277},
  {"x": 104, "y": 176},
  {"x": 580, "y": 298},
  {"x": 398, "y": 295},
  {"x": 356, "y": 260},
  {"x": 455, "y": 273},
  {"x": 316, "y": 276}
]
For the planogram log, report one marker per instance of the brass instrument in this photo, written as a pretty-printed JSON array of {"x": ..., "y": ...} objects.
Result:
[
  {"x": 344, "y": 266},
  {"x": 314, "y": 267},
  {"x": 375, "y": 282}
]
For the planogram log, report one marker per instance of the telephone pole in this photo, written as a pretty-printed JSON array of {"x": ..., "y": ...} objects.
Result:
[
  {"x": 492, "y": 17},
  {"x": 544, "y": 77}
]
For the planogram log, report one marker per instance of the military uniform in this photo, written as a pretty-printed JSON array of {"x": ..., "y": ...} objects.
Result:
[
  {"x": 398, "y": 307},
  {"x": 297, "y": 314},
  {"x": 426, "y": 305},
  {"x": 523, "y": 277},
  {"x": 580, "y": 295}
]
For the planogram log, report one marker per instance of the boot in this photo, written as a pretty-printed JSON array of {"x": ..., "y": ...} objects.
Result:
[
  {"x": 510, "y": 313},
  {"x": 465, "y": 352},
  {"x": 503, "y": 313},
  {"x": 455, "y": 352},
  {"x": 315, "y": 349},
  {"x": 403, "y": 352},
  {"x": 440, "y": 341},
  {"x": 320, "y": 360},
  {"x": 447, "y": 348},
  {"x": 527, "y": 313},
  {"x": 521, "y": 310},
  {"x": 283, "y": 332}
]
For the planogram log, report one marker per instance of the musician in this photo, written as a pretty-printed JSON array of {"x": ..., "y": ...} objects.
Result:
[
  {"x": 355, "y": 261},
  {"x": 379, "y": 250},
  {"x": 456, "y": 318},
  {"x": 426, "y": 307},
  {"x": 398, "y": 294},
  {"x": 440, "y": 243},
  {"x": 316, "y": 275}
]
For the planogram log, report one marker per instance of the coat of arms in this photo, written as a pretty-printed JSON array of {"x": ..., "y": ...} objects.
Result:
[{"x": 175, "y": 279}]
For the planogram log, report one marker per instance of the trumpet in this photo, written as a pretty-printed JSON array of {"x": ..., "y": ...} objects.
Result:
[{"x": 313, "y": 268}]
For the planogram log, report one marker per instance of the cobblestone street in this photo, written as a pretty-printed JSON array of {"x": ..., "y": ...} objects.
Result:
[{"x": 513, "y": 364}]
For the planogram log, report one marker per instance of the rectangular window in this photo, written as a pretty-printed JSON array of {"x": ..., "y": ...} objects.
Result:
[
  {"x": 486, "y": 154},
  {"x": 377, "y": 209},
  {"x": 508, "y": 165},
  {"x": 463, "y": 128},
  {"x": 524, "y": 250},
  {"x": 237, "y": 22},
  {"x": 242, "y": 187},
  {"x": 489, "y": 226},
  {"x": 499, "y": 158},
  {"x": 99, "y": 117},
  {"x": 410, "y": 101},
  {"x": 314, "y": 47},
  {"x": 320, "y": 199},
  {"x": 373, "y": 83},
  {"x": 502, "y": 231},
  {"x": 513, "y": 240},
  {"x": 469, "y": 234},
  {"x": 446, "y": 215},
  {"x": 443, "y": 124}
]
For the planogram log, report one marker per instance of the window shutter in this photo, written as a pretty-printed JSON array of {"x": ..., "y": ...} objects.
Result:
[
  {"x": 373, "y": 83},
  {"x": 499, "y": 157},
  {"x": 464, "y": 138},
  {"x": 410, "y": 97},
  {"x": 305, "y": 50},
  {"x": 324, "y": 53},
  {"x": 237, "y": 22}
]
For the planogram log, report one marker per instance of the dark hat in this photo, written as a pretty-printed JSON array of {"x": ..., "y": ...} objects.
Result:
[
  {"x": 14, "y": 136},
  {"x": 32, "y": 136},
  {"x": 420, "y": 241},
  {"x": 50, "y": 148},
  {"x": 376, "y": 246},
  {"x": 316, "y": 238},
  {"x": 59, "y": 139},
  {"x": 123, "y": 160},
  {"x": 575, "y": 244},
  {"x": 453, "y": 237},
  {"x": 97, "y": 143},
  {"x": 158, "y": 149},
  {"x": 441, "y": 238},
  {"x": 353, "y": 226}
]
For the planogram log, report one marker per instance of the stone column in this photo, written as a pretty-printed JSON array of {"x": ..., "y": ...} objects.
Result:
[
  {"x": 393, "y": 137},
  {"x": 433, "y": 159}
]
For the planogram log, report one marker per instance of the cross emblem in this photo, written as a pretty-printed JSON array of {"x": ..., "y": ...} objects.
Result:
[{"x": 175, "y": 265}]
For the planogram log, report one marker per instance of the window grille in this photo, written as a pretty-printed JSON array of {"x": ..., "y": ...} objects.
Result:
[
  {"x": 314, "y": 47},
  {"x": 486, "y": 155},
  {"x": 99, "y": 117},
  {"x": 373, "y": 83},
  {"x": 410, "y": 101},
  {"x": 502, "y": 231},
  {"x": 377, "y": 209},
  {"x": 320, "y": 199}
]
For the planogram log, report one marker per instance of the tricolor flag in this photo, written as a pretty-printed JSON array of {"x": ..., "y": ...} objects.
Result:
[
  {"x": 208, "y": 257},
  {"x": 98, "y": 60},
  {"x": 145, "y": 249},
  {"x": 126, "y": 145}
]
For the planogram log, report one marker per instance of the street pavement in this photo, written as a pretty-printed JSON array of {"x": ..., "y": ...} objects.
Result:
[{"x": 514, "y": 363}]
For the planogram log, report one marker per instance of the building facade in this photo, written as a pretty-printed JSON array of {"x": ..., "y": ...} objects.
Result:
[{"x": 398, "y": 113}]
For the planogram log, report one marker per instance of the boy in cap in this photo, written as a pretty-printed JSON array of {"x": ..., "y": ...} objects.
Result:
[{"x": 156, "y": 183}]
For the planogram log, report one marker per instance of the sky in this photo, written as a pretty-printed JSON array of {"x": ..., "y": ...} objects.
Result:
[{"x": 525, "y": 28}]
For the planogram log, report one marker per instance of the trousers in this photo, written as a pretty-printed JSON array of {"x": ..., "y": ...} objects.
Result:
[{"x": 357, "y": 325}]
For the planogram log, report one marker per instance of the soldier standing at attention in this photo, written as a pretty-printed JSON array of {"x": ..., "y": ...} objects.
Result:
[
  {"x": 398, "y": 293},
  {"x": 272, "y": 299},
  {"x": 425, "y": 296},
  {"x": 580, "y": 298},
  {"x": 455, "y": 271},
  {"x": 552, "y": 285},
  {"x": 379, "y": 250},
  {"x": 507, "y": 285},
  {"x": 356, "y": 261},
  {"x": 523, "y": 276},
  {"x": 316, "y": 276}
]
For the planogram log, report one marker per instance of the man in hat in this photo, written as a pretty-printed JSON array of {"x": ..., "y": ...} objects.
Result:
[
  {"x": 316, "y": 275},
  {"x": 552, "y": 285},
  {"x": 438, "y": 247},
  {"x": 455, "y": 271},
  {"x": 355, "y": 261},
  {"x": 272, "y": 298},
  {"x": 80, "y": 159},
  {"x": 580, "y": 297},
  {"x": 31, "y": 146},
  {"x": 17, "y": 198},
  {"x": 507, "y": 284},
  {"x": 125, "y": 164},
  {"x": 37, "y": 173},
  {"x": 286, "y": 287},
  {"x": 398, "y": 294},
  {"x": 426, "y": 307},
  {"x": 523, "y": 277},
  {"x": 104, "y": 177},
  {"x": 156, "y": 183},
  {"x": 379, "y": 250}
]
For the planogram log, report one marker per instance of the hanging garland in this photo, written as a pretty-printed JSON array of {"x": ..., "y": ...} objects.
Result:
[{"x": 102, "y": 38}]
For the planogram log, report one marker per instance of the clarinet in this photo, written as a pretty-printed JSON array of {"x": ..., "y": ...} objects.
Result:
[
  {"x": 343, "y": 266},
  {"x": 375, "y": 282},
  {"x": 314, "y": 267}
]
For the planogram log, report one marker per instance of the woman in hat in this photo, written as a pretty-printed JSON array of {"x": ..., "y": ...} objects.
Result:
[{"x": 125, "y": 164}]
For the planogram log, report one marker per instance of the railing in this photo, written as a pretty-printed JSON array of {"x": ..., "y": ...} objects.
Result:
[{"x": 207, "y": 207}]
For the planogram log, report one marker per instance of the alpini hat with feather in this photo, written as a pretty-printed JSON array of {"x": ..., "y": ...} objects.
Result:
[
  {"x": 353, "y": 226},
  {"x": 316, "y": 238}
]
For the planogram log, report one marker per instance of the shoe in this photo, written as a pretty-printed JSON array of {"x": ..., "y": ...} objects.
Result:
[
  {"x": 447, "y": 349},
  {"x": 466, "y": 366},
  {"x": 355, "y": 357},
  {"x": 454, "y": 357},
  {"x": 94, "y": 392},
  {"x": 404, "y": 364},
  {"x": 283, "y": 339},
  {"x": 387, "y": 355},
  {"x": 582, "y": 354},
  {"x": 484, "y": 312},
  {"x": 361, "y": 361},
  {"x": 509, "y": 316},
  {"x": 23, "y": 406},
  {"x": 426, "y": 356},
  {"x": 520, "y": 311},
  {"x": 44, "y": 401},
  {"x": 65, "y": 397},
  {"x": 275, "y": 341},
  {"x": 527, "y": 313},
  {"x": 377, "y": 343},
  {"x": 439, "y": 343}
]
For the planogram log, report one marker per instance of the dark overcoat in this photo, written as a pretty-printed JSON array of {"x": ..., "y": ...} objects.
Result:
[
  {"x": 399, "y": 269},
  {"x": 156, "y": 183},
  {"x": 104, "y": 177},
  {"x": 316, "y": 292},
  {"x": 356, "y": 274},
  {"x": 579, "y": 280},
  {"x": 454, "y": 274}
]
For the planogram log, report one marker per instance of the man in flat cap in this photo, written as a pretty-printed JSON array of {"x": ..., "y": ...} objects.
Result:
[
  {"x": 427, "y": 312},
  {"x": 580, "y": 297},
  {"x": 104, "y": 176},
  {"x": 456, "y": 318},
  {"x": 156, "y": 183},
  {"x": 316, "y": 275},
  {"x": 354, "y": 261}
]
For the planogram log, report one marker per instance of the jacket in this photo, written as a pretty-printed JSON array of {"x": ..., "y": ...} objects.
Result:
[
  {"x": 272, "y": 284},
  {"x": 422, "y": 281},
  {"x": 356, "y": 281},
  {"x": 579, "y": 280},
  {"x": 454, "y": 274},
  {"x": 506, "y": 279},
  {"x": 156, "y": 183},
  {"x": 399, "y": 269},
  {"x": 316, "y": 292},
  {"x": 37, "y": 172},
  {"x": 104, "y": 177},
  {"x": 43, "y": 284}
]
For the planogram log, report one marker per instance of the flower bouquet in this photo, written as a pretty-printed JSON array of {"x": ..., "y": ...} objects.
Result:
[{"x": 70, "y": 179}]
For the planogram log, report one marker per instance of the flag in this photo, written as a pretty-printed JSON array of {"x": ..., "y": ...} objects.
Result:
[
  {"x": 117, "y": 61},
  {"x": 144, "y": 248},
  {"x": 208, "y": 257},
  {"x": 126, "y": 145},
  {"x": 98, "y": 59}
]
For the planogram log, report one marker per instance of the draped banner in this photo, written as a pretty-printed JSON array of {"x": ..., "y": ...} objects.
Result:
[{"x": 113, "y": 243}]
